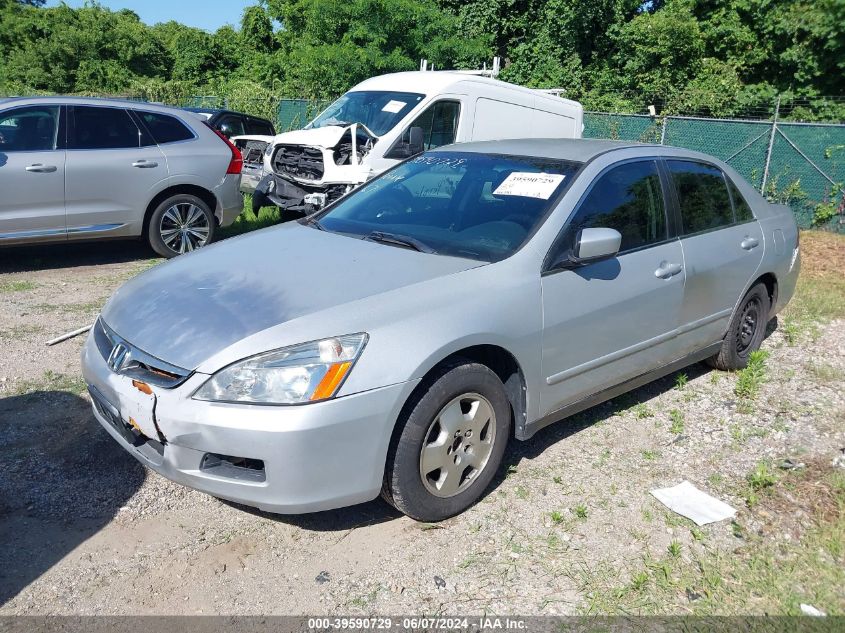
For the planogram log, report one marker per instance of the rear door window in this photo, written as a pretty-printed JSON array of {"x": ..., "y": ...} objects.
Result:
[
  {"x": 703, "y": 196},
  {"x": 165, "y": 128},
  {"x": 231, "y": 125},
  {"x": 742, "y": 210},
  {"x": 102, "y": 128},
  {"x": 259, "y": 127},
  {"x": 29, "y": 129},
  {"x": 628, "y": 198}
]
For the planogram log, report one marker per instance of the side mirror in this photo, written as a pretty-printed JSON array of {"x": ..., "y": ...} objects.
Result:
[
  {"x": 416, "y": 144},
  {"x": 592, "y": 245},
  {"x": 411, "y": 143},
  {"x": 226, "y": 130}
]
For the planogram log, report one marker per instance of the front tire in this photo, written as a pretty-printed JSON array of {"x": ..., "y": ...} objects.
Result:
[
  {"x": 180, "y": 224},
  {"x": 745, "y": 332},
  {"x": 450, "y": 442}
]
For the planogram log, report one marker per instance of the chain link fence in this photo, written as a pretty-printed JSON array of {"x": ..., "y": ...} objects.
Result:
[{"x": 799, "y": 164}]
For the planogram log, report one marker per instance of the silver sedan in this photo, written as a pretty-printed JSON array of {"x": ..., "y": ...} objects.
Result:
[{"x": 395, "y": 342}]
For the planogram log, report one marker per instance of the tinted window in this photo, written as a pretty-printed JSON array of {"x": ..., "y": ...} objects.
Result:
[
  {"x": 231, "y": 126},
  {"x": 31, "y": 129},
  {"x": 742, "y": 210},
  {"x": 165, "y": 128},
  {"x": 254, "y": 126},
  {"x": 627, "y": 198},
  {"x": 477, "y": 206},
  {"x": 439, "y": 123},
  {"x": 103, "y": 128},
  {"x": 702, "y": 195}
]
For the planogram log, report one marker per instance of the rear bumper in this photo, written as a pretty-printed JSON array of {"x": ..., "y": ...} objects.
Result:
[
  {"x": 230, "y": 201},
  {"x": 313, "y": 457}
]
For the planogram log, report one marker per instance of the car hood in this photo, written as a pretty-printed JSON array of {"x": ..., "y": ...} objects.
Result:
[
  {"x": 189, "y": 309},
  {"x": 327, "y": 137}
]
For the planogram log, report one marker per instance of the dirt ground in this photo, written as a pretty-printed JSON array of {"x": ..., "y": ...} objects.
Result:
[{"x": 568, "y": 527}]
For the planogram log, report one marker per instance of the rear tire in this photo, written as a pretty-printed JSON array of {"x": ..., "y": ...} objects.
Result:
[
  {"x": 180, "y": 224},
  {"x": 450, "y": 442},
  {"x": 745, "y": 332}
]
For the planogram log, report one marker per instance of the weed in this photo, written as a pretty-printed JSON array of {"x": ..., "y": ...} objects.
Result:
[
  {"x": 697, "y": 533},
  {"x": 557, "y": 479},
  {"x": 580, "y": 511},
  {"x": 761, "y": 477},
  {"x": 674, "y": 549},
  {"x": 521, "y": 493},
  {"x": 556, "y": 517},
  {"x": 824, "y": 372},
  {"x": 650, "y": 455},
  {"x": 648, "y": 517},
  {"x": 681, "y": 381},
  {"x": 715, "y": 479},
  {"x": 639, "y": 580},
  {"x": 750, "y": 379},
  {"x": 677, "y": 419},
  {"x": 642, "y": 411},
  {"x": 790, "y": 331}
]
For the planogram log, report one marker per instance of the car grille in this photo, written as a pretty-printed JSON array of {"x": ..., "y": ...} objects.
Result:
[
  {"x": 299, "y": 161},
  {"x": 139, "y": 364}
]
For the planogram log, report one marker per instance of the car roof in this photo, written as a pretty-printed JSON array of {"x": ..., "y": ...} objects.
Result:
[
  {"x": 64, "y": 100},
  {"x": 438, "y": 81},
  {"x": 577, "y": 150}
]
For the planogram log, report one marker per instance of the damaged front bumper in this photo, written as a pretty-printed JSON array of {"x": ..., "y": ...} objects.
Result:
[
  {"x": 291, "y": 196},
  {"x": 285, "y": 459}
]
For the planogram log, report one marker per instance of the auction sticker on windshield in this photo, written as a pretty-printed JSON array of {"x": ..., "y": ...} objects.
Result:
[
  {"x": 529, "y": 185},
  {"x": 394, "y": 106}
]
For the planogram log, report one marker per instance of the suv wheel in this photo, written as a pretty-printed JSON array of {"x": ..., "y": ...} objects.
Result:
[
  {"x": 746, "y": 331},
  {"x": 180, "y": 224},
  {"x": 450, "y": 443}
]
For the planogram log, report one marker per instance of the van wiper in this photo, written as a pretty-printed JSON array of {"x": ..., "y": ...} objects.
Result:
[{"x": 399, "y": 240}]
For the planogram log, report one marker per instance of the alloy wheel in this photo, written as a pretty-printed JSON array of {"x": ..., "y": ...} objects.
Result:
[{"x": 184, "y": 227}]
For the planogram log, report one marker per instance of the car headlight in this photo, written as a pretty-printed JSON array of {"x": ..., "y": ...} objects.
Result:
[{"x": 301, "y": 373}]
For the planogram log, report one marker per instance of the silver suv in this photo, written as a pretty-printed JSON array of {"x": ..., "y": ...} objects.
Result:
[{"x": 73, "y": 169}]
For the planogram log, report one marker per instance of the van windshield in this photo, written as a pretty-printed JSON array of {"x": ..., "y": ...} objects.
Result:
[
  {"x": 379, "y": 110},
  {"x": 463, "y": 204}
]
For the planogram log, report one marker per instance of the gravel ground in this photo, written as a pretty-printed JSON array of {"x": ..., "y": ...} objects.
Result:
[{"x": 86, "y": 530}]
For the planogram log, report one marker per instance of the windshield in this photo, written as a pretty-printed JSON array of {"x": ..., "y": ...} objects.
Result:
[
  {"x": 479, "y": 206},
  {"x": 379, "y": 110}
]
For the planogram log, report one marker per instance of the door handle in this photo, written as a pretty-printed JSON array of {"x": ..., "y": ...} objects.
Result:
[
  {"x": 666, "y": 270},
  {"x": 38, "y": 168},
  {"x": 749, "y": 242},
  {"x": 145, "y": 164}
]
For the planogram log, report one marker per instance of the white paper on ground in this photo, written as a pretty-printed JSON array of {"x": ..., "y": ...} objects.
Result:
[
  {"x": 689, "y": 501},
  {"x": 393, "y": 106},
  {"x": 529, "y": 185}
]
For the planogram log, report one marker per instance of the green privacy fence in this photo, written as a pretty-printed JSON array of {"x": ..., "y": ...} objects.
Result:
[{"x": 800, "y": 164}]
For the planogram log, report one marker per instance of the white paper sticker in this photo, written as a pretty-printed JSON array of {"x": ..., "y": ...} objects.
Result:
[
  {"x": 529, "y": 185},
  {"x": 394, "y": 106}
]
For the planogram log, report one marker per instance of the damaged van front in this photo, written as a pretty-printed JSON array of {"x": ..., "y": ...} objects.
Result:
[
  {"x": 386, "y": 119},
  {"x": 306, "y": 169}
]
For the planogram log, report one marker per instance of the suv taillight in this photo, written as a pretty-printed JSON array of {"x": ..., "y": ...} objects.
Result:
[{"x": 237, "y": 162}]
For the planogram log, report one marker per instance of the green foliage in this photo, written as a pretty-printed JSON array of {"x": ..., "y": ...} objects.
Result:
[{"x": 720, "y": 57}]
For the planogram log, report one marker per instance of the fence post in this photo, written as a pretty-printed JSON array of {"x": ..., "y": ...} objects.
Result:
[
  {"x": 771, "y": 145},
  {"x": 663, "y": 131}
]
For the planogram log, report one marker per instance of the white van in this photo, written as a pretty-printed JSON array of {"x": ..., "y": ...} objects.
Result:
[{"x": 387, "y": 119}]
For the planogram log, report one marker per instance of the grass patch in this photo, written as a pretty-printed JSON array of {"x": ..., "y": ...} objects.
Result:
[
  {"x": 52, "y": 381},
  {"x": 677, "y": 419},
  {"x": 764, "y": 575},
  {"x": 247, "y": 221},
  {"x": 18, "y": 286}
]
